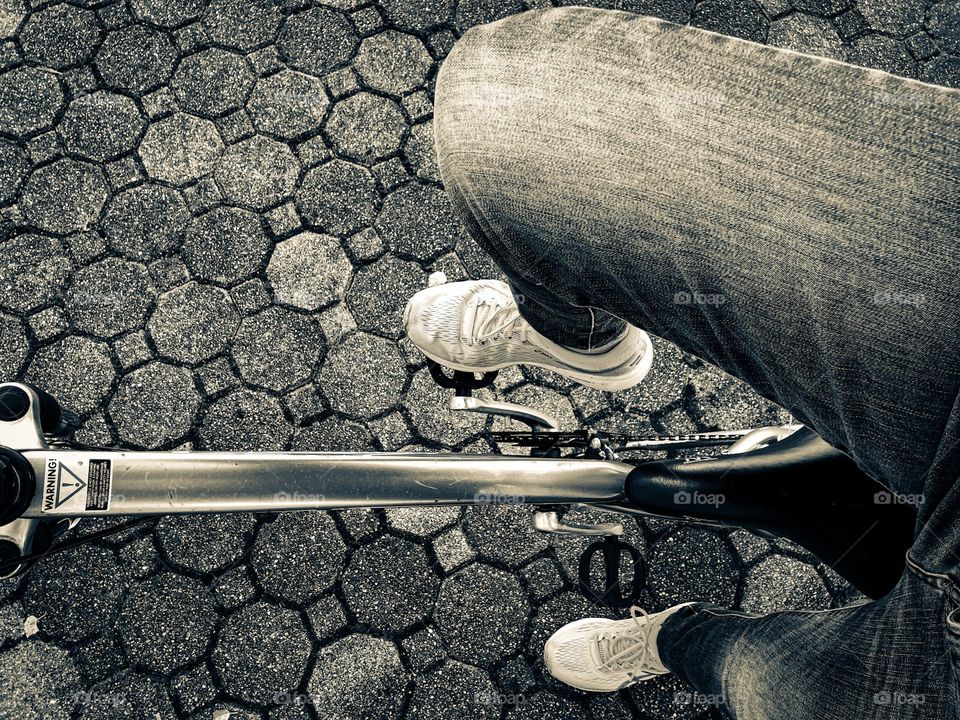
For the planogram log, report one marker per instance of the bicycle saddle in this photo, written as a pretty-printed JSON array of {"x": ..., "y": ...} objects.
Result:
[{"x": 800, "y": 488}]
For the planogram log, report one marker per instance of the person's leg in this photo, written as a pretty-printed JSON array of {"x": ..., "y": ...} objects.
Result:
[{"x": 775, "y": 214}]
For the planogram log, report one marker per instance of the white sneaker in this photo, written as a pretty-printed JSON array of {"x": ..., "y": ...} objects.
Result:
[
  {"x": 475, "y": 326},
  {"x": 606, "y": 655}
]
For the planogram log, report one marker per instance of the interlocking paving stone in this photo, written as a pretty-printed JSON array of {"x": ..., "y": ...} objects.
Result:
[
  {"x": 944, "y": 25},
  {"x": 34, "y": 272},
  {"x": 145, "y": 221},
  {"x": 78, "y": 596},
  {"x": 363, "y": 376},
  {"x": 154, "y": 405},
  {"x": 502, "y": 530},
  {"x": 481, "y": 614},
  {"x": 167, "y": 622},
  {"x": 59, "y": 36},
  {"x": 298, "y": 556},
  {"x": 137, "y": 58},
  {"x": 418, "y": 149},
  {"x": 242, "y": 24},
  {"x": 417, "y": 222},
  {"x": 37, "y": 679},
  {"x": 277, "y": 348},
  {"x": 193, "y": 322},
  {"x": 257, "y": 172},
  {"x": 393, "y": 62},
  {"x": 289, "y": 104},
  {"x": 29, "y": 100},
  {"x": 180, "y": 148},
  {"x": 262, "y": 650},
  {"x": 881, "y": 52},
  {"x": 100, "y": 126},
  {"x": 225, "y": 245},
  {"x": 740, "y": 18},
  {"x": 808, "y": 34},
  {"x": 898, "y": 17},
  {"x": 358, "y": 676},
  {"x": 109, "y": 297},
  {"x": 692, "y": 564},
  {"x": 14, "y": 166},
  {"x": 454, "y": 690},
  {"x": 426, "y": 403},
  {"x": 244, "y": 420},
  {"x": 64, "y": 196},
  {"x": 366, "y": 127},
  {"x": 317, "y": 40},
  {"x": 782, "y": 583},
  {"x": 166, "y": 13},
  {"x": 212, "y": 82},
  {"x": 309, "y": 271},
  {"x": 380, "y": 291},
  {"x": 338, "y": 197},
  {"x": 76, "y": 370},
  {"x": 14, "y": 347}
]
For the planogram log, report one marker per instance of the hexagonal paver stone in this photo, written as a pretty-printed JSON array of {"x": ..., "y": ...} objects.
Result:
[
  {"x": 503, "y": 532},
  {"x": 75, "y": 370},
  {"x": 944, "y": 25},
  {"x": 427, "y": 404},
  {"x": 897, "y": 17},
  {"x": 358, "y": 676},
  {"x": 155, "y": 404},
  {"x": 242, "y": 24},
  {"x": 422, "y": 522},
  {"x": 363, "y": 376},
  {"x": 781, "y": 583},
  {"x": 479, "y": 12},
  {"x": 380, "y": 291},
  {"x": 78, "y": 596},
  {"x": 692, "y": 565},
  {"x": 180, "y": 148},
  {"x": 137, "y": 58},
  {"x": 419, "y": 151},
  {"x": 225, "y": 245},
  {"x": 145, "y": 221},
  {"x": 212, "y": 82},
  {"x": 167, "y": 622},
  {"x": 454, "y": 690},
  {"x": 393, "y": 62},
  {"x": 883, "y": 53},
  {"x": 288, "y": 104},
  {"x": 194, "y": 322},
  {"x": 59, "y": 36},
  {"x": 100, "y": 126},
  {"x": 334, "y": 434},
  {"x": 64, "y": 196},
  {"x": 417, "y": 221},
  {"x": 244, "y": 420},
  {"x": 34, "y": 272},
  {"x": 127, "y": 694},
  {"x": 418, "y": 14},
  {"x": 47, "y": 690},
  {"x": 309, "y": 271},
  {"x": 109, "y": 297},
  {"x": 205, "y": 543},
  {"x": 299, "y": 555},
  {"x": 14, "y": 166},
  {"x": 943, "y": 70},
  {"x": 366, "y": 127},
  {"x": 389, "y": 585},
  {"x": 262, "y": 650},
  {"x": 317, "y": 40},
  {"x": 740, "y": 18},
  {"x": 807, "y": 34},
  {"x": 167, "y": 13},
  {"x": 338, "y": 197},
  {"x": 277, "y": 348},
  {"x": 14, "y": 347},
  {"x": 257, "y": 172},
  {"x": 30, "y": 99},
  {"x": 481, "y": 614}
]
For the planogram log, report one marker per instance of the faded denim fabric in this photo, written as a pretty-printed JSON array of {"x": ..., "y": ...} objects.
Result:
[{"x": 792, "y": 219}]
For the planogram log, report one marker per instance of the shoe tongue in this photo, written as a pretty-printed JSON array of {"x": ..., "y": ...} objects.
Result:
[{"x": 610, "y": 647}]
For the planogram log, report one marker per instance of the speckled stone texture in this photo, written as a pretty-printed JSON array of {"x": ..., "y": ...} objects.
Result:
[{"x": 213, "y": 212}]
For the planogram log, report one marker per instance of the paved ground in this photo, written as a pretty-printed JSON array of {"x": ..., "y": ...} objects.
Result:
[{"x": 213, "y": 211}]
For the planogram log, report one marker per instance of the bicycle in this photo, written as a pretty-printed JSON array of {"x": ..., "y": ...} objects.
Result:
[{"x": 782, "y": 481}]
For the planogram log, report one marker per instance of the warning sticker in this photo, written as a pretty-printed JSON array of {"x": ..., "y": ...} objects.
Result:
[{"x": 76, "y": 484}]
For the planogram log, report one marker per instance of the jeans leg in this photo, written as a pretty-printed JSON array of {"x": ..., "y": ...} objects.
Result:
[
  {"x": 880, "y": 660},
  {"x": 773, "y": 213}
]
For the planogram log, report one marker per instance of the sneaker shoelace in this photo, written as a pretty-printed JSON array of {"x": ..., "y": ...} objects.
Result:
[
  {"x": 489, "y": 317},
  {"x": 623, "y": 648}
]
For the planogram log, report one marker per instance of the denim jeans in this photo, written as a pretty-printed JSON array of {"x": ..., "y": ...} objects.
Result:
[{"x": 791, "y": 219}]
